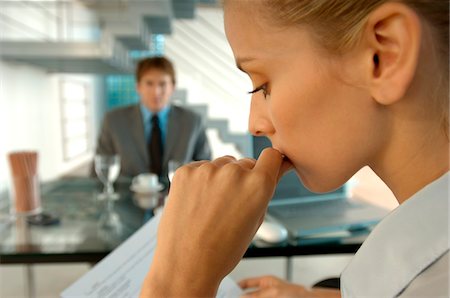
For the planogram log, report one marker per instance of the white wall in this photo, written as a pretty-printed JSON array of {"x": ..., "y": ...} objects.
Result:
[
  {"x": 30, "y": 117},
  {"x": 31, "y": 120}
]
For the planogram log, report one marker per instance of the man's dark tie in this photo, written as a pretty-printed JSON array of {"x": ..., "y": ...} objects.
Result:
[{"x": 155, "y": 148}]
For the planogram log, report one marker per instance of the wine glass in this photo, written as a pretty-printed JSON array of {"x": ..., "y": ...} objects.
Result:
[
  {"x": 110, "y": 227},
  {"x": 107, "y": 168}
]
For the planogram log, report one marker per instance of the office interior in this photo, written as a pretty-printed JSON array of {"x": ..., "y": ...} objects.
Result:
[{"x": 65, "y": 63}]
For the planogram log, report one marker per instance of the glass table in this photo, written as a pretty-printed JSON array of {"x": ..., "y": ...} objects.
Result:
[
  {"x": 88, "y": 228},
  {"x": 80, "y": 235}
]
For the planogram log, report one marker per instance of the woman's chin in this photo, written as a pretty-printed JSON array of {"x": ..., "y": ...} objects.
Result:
[{"x": 316, "y": 185}]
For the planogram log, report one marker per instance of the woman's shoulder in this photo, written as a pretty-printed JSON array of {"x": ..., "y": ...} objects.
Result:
[{"x": 432, "y": 282}]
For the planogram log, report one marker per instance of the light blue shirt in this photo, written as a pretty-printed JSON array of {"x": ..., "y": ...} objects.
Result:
[
  {"x": 406, "y": 255},
  {"x": 163, "y": 117}
]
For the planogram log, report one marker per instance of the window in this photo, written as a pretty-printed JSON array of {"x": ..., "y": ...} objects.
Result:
[{"x": 75, "y": 118}]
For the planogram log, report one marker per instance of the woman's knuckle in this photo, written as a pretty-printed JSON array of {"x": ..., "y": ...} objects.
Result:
[
  {"x": 232, "y": 167},
  {"x": 182, "y": 171},
  {"x": 230, "y": 157}
]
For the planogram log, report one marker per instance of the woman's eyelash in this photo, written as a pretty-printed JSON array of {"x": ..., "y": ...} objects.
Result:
[{"x": 263, "y": 87}]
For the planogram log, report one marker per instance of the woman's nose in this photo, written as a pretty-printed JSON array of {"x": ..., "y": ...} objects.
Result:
[{"x": 259, "y": 122}]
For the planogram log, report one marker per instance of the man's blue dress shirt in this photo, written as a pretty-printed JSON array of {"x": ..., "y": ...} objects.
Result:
[{"x": 163, "y": 117}]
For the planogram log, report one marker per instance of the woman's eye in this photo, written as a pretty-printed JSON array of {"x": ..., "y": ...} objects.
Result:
[{"x": 263, "y": 88}]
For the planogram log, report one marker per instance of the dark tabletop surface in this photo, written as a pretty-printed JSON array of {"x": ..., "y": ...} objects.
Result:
[{"x": 90, "y": 228}]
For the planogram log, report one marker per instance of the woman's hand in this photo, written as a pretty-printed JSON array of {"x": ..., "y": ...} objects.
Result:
[
  {"x": 213, "y": 211},
  {"x": 271, "y": 286}
]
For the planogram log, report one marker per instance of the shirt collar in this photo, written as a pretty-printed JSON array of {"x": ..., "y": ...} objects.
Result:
[
  {"x": 402, "y": 245},
  {"x": 147, "y": 114}
]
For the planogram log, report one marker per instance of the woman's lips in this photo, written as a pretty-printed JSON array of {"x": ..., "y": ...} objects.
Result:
[{"x": 279, "y": 150}]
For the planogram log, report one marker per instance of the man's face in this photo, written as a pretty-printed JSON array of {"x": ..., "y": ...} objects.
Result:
[{"x": 155, "y": 89}]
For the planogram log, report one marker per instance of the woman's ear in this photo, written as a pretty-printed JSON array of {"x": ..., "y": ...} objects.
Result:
[{"x": 393, "y": 35}]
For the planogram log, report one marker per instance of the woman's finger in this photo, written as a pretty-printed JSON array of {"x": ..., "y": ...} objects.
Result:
[
  {"x": 269, "y": 163},
  {"x": 247, "y": 163},
  {"x": 249, "y": 283},
  {"x": 262, "y": 293},
  {"x": 258, "y": 282},
  {"x": 252, "y": 294}
]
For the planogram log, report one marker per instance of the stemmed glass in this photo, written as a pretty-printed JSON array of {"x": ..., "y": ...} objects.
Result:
[
  {"x": 110, "y": 224},
  {"x": 107, "y": 168},
  {"x": 173, "y": 165}
]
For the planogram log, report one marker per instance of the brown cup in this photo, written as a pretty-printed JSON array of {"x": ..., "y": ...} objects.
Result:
[{"x": 26, "y": 194}]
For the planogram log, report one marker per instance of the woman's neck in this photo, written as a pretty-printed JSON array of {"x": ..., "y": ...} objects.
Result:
[{"x": 413, "y": 162}]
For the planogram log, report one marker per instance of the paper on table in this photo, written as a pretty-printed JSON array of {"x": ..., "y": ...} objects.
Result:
[{"x": 121, "y": 273}]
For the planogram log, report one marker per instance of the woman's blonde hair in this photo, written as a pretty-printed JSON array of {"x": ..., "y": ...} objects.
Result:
[{"x": 338, "y": 24}]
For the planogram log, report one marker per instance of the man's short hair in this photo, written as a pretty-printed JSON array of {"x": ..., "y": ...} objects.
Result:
[{"x": 160, "y": 63}]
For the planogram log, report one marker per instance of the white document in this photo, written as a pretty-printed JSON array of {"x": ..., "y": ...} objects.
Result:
[{"x": 121, "y": 273}]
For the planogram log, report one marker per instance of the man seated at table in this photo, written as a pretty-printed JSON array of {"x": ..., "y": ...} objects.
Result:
[{"x": 149, "y": 134}]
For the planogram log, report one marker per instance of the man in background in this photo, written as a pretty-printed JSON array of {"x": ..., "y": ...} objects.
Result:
[{"x": 149, "y": 134}]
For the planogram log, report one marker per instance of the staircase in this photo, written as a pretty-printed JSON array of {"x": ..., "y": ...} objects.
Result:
[
  {"x": 218, "y": 129},
  {"x": 121, "y": 26},
  {"x": 206, "y": 72}
]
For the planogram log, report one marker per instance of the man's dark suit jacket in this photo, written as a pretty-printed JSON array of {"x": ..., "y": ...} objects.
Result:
[{"x": 123, "y": 134}]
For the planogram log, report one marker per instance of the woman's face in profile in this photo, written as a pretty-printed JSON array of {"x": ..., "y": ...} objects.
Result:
[{"x": 326, "y": 126}]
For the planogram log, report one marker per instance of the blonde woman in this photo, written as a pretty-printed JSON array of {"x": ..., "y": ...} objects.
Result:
[{"x": 338, "y": 85}]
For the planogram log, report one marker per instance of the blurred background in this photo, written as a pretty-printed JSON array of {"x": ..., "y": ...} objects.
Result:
[{"x": 65, "y": 63}]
